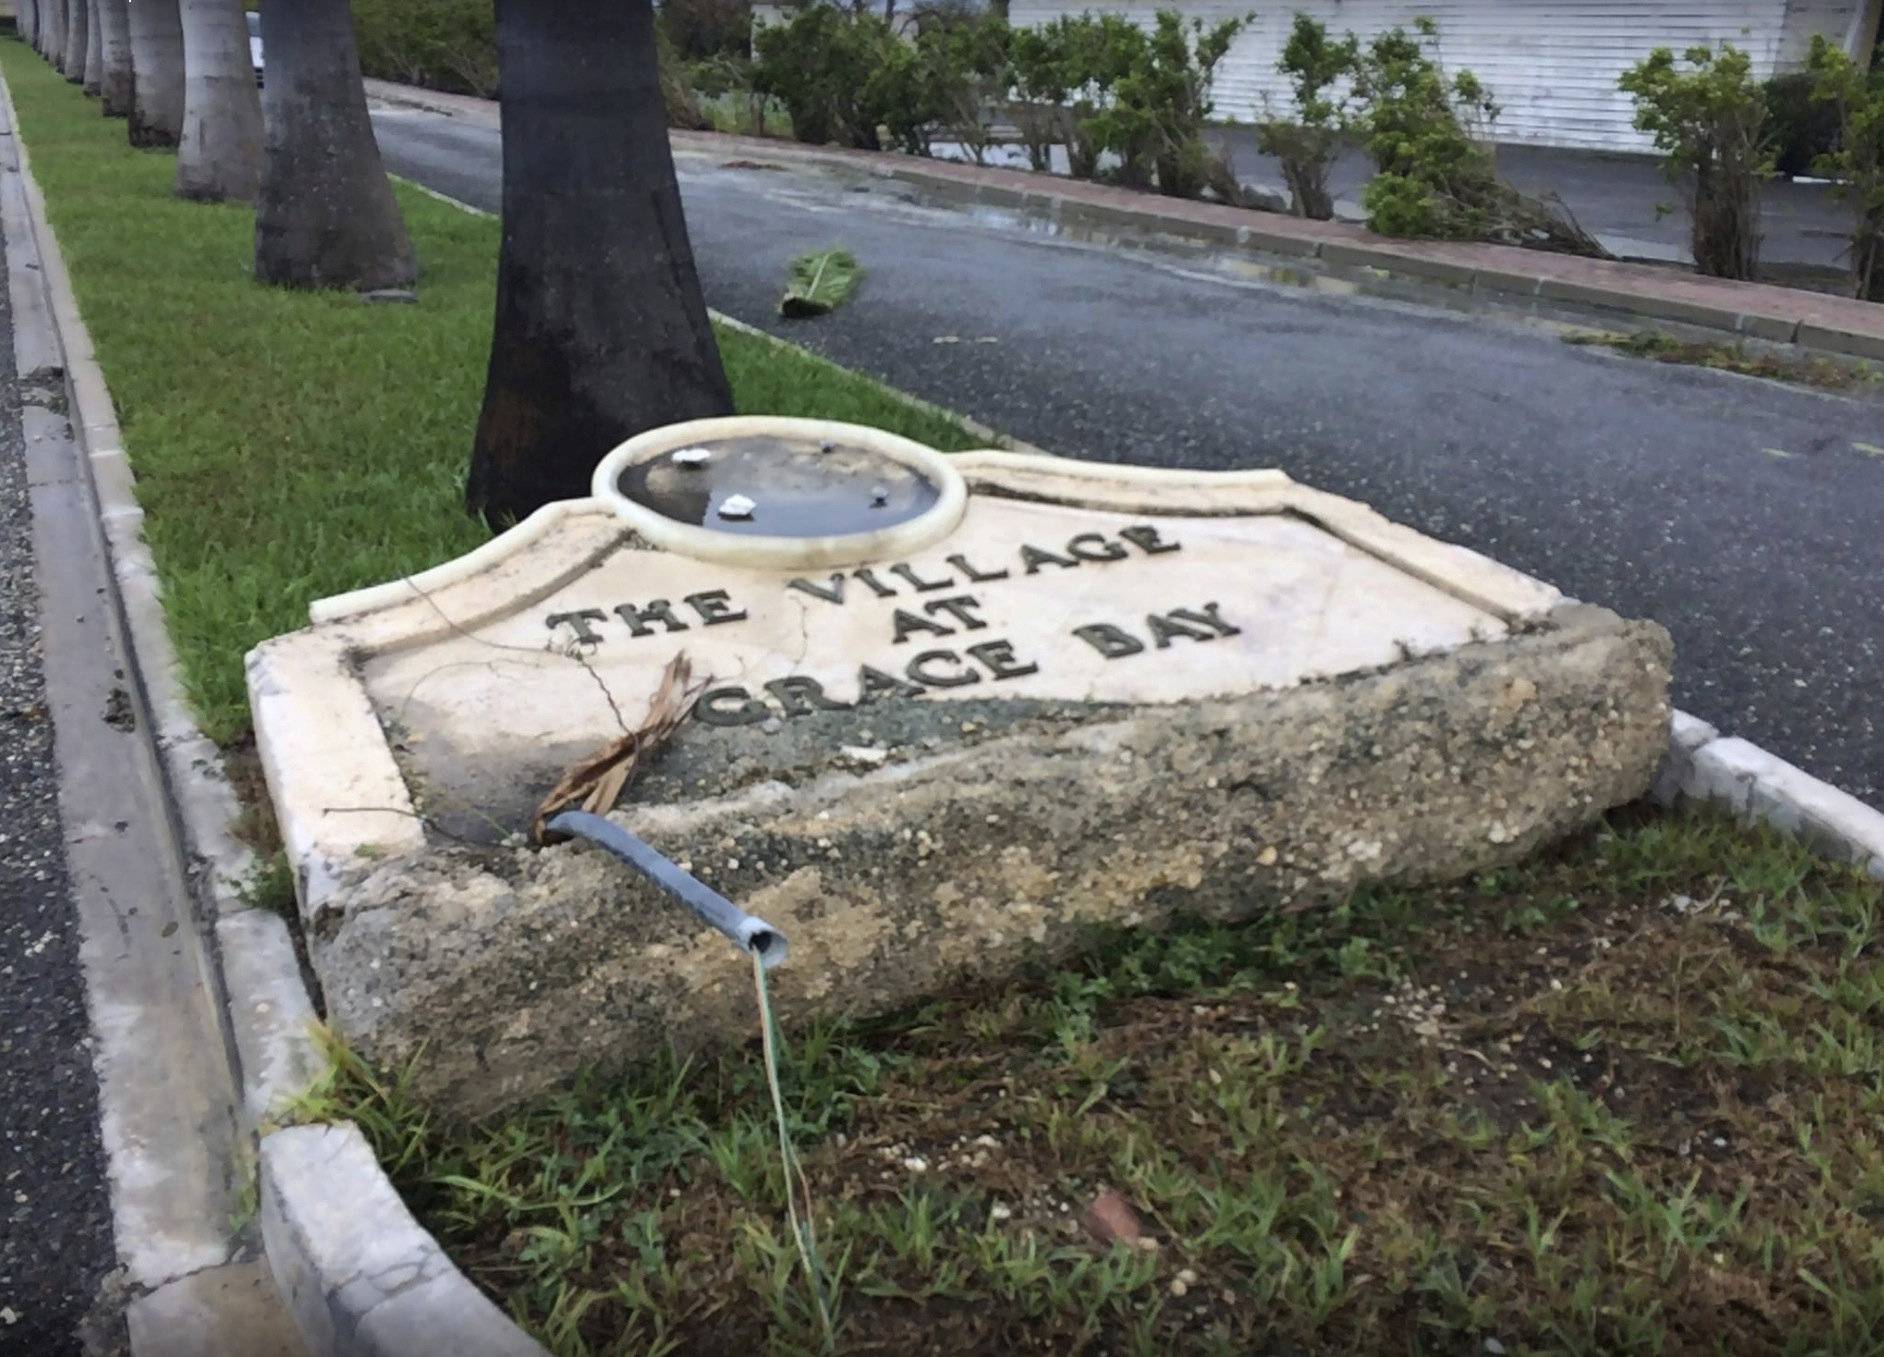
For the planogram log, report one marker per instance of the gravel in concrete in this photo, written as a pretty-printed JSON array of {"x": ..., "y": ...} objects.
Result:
[
  {"x": 55, "y": 1214},
  {"x": 1742, "y": 514}
]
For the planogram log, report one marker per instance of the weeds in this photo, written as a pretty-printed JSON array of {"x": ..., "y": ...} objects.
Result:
[
  {"x": 1825, "y": 373},
  {"x": 1620, "y": 1099}
]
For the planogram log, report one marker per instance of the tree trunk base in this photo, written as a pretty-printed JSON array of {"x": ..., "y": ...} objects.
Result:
[{"x": 148, "y": 138}]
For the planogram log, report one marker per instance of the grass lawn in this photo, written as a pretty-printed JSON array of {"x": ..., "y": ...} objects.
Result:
[
  {"x": 287, "y": 445},
  {"x": 1625, "y": 1099}
]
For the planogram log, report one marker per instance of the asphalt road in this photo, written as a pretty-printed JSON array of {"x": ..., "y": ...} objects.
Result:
[
  {"x": 1746, "y": 516},
  {"x": 55, "y": 1216}
]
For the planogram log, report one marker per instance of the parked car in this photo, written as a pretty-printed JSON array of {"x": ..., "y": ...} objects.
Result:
[{"x": 255, "y": 44}]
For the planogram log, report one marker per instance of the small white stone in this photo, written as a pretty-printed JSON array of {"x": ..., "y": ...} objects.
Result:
[
  {"x": 691, "y": 457},
  {"x": 737, "y": 507}
]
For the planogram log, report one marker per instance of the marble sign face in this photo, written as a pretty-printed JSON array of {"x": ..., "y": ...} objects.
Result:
[
  {"x": 922, "y": 579},
  {"x": 951, "y": 711}
]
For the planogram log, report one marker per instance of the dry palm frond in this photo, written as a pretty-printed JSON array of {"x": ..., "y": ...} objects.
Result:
[{"x": 597, "y": 782}]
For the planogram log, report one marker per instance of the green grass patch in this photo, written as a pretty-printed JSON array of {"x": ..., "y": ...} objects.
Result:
[
  {"x": 1828, "y": 374},
  {"x": 292, "y": 445},
  {"x": 1625, "y": 1098}
]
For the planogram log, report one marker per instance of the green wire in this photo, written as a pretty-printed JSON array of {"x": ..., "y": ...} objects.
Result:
[{"x": 804, "y": 1232}]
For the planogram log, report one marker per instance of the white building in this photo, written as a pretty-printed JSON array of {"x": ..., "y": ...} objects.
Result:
[{"x": 1551, "y": 64}]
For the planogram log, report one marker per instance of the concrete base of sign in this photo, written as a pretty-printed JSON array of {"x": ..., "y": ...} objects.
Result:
[
  {"x": 987, "y": 838},
  {"x": 1336, "y": 701}
]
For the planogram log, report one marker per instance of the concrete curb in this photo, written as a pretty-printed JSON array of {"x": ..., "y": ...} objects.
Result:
[
  {"x": 362, "y": 1277},
  {"x": 270, "y": 1017},
  {"x": 358, "y": 1272},
  {"x": 1758, "y": 788},
  {"x": 1812, "y": 321}
]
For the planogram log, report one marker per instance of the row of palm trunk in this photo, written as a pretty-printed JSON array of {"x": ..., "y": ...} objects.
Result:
[
  {"x": 302, "y": 150},
  {"x": 601, "y": 327}
]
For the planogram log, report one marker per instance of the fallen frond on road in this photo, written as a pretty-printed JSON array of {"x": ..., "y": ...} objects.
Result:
[{"x": 819, "y": 283}]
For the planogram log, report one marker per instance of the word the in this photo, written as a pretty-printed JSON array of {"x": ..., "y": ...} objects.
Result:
[{"x": 712, "y": 606}]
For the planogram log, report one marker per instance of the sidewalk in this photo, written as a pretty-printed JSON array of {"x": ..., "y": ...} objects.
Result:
[{"x": 1640, "y": 292}]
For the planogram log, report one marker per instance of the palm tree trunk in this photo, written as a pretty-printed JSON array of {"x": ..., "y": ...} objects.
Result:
[
  {"x": 601, "y": 329},
  {"x": 76, "y": 24},
  {"x": 52, "y": 34},
  {"x": 157, "y": 73},
  {"x": 94, "y": 49},
  {"x": 220, "y": 155},
  {"x": 326, "y": 216},
  {"x": 29, "y": 23},
  {"x": 118, "y": 83}
]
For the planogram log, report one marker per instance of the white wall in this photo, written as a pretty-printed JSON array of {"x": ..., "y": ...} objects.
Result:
[{"x": 1552, "y": 64}]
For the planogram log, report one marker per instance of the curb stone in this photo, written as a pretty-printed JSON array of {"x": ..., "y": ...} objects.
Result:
[
  {"x": 361, "y": 1276},
  {"x": 203, "y": 801},
  {"x": 1812, "y": 321},
  {"x": 312, "y": 1223},
  {"x": 1760, "y": 788},
  {"x": 358, "y": 1272}
]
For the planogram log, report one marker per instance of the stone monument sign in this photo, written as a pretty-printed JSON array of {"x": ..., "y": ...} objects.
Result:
[{"x": 948, "y": 714}]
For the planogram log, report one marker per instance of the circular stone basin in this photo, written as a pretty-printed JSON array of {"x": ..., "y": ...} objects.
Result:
[{"x": 781, "y": 492}]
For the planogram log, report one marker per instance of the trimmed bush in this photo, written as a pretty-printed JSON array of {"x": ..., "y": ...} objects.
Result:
[
  {"x": 1802, "y": 128},
  {"x": 1855, "y": 97},
  {"x": 1709, "y": 121},
  {"x": 446, "y": 45}
]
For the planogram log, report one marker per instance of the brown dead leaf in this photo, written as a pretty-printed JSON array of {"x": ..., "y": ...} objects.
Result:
[{"x": 596, "y": 783}]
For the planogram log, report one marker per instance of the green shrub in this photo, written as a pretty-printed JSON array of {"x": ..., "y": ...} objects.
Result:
[
  {"x": 1091, "y": 54},
  {"x": 1436, "y": 177},
  {"x": 1043, "y": 81},
  {"x": 1856, "y": 100},
  {"x": 451, "y": 45},
  {"x": 835, "y": 72},
  {"x": 1315, "y": 65},
  {"x": 1096, "y": 83},
  {"x": 1709, "y": 121},
  {"x": 440, "y": 44},
  {"x": 1162, "y": 101},
  {"x": 1802, "y": 128},
  {"x": 965, "y": 70},
  {"x": 701, "y": 29}
]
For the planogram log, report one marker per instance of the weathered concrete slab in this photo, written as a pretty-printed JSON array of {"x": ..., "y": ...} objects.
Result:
[
  {"x": 360, "y": 1275},
  {"x": 218, "y": 1312},
  {"x": 1061, "y": 697}
]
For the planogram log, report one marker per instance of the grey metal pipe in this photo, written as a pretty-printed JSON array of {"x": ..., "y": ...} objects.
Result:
[{"x": 748, "y": 933}]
